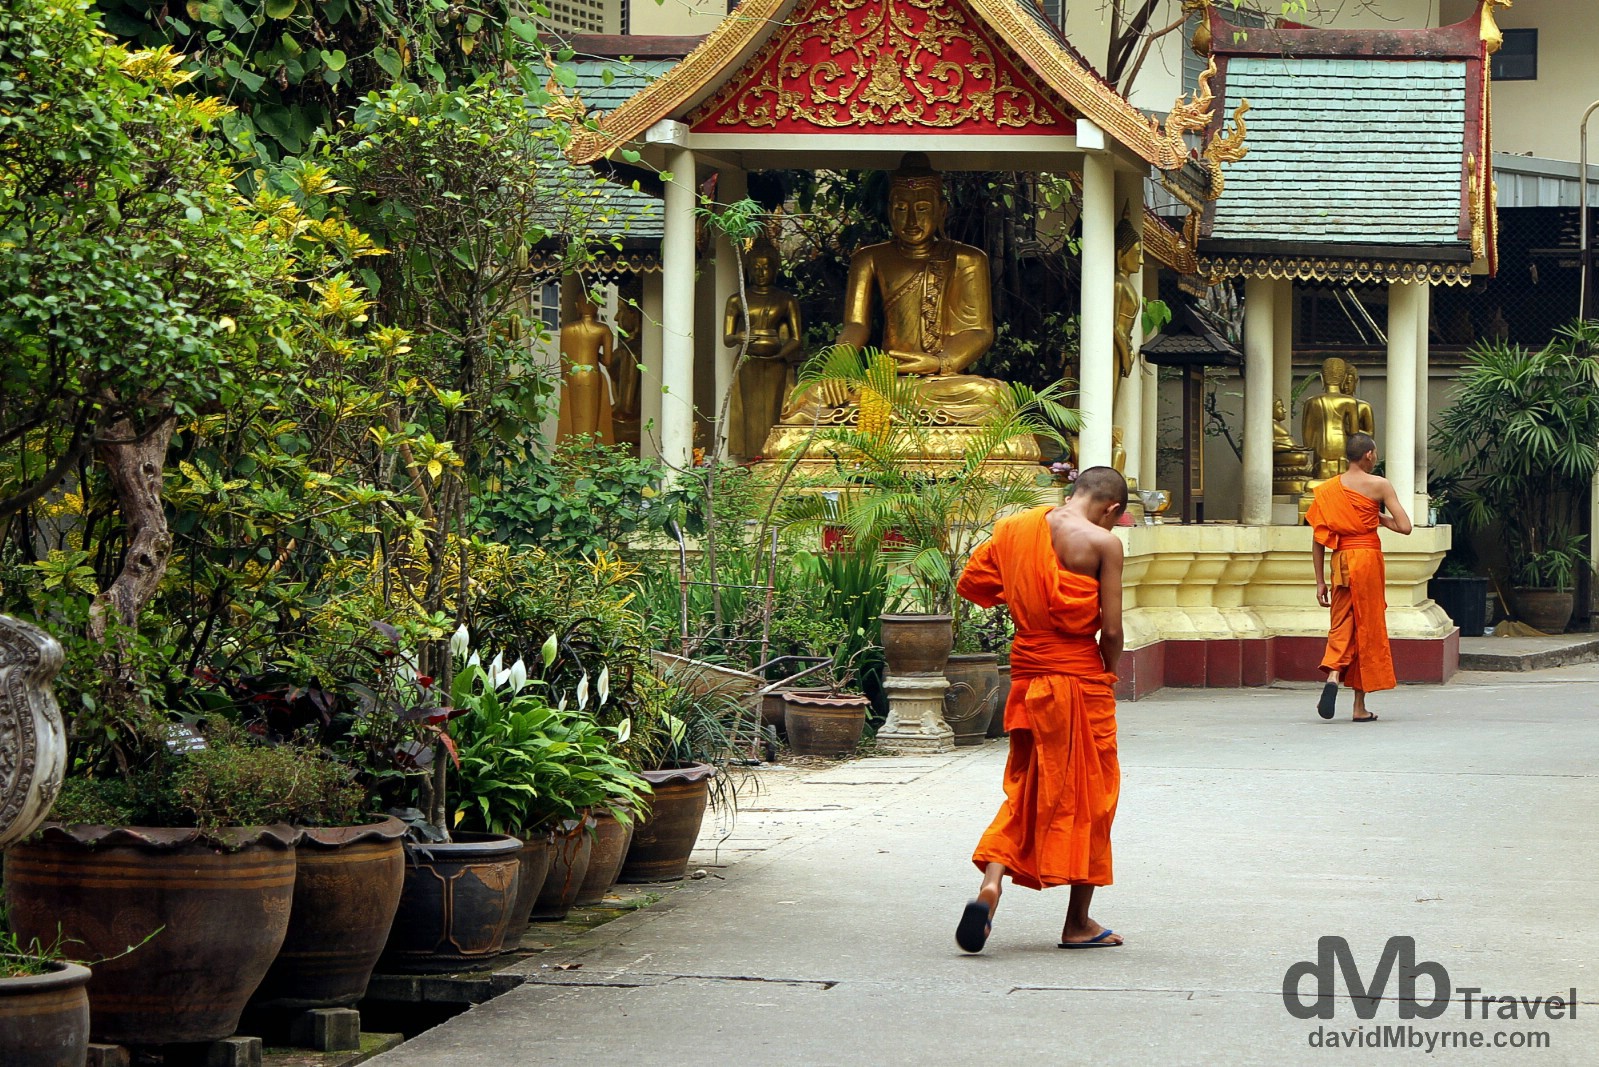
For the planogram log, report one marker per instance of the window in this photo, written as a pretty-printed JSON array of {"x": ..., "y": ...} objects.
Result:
[
  {"x": 550, "y": 306},
  {"x": 1517, "y": 59}
]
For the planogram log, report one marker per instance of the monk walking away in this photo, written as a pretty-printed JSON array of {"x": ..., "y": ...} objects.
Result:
[
  {"x": 1059, "y": 571},
  {"x": 1344, "y": 515}
]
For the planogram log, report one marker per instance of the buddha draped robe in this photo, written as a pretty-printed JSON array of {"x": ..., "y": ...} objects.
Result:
[
  {"x": 1357, "y": 639},
  {"x": 1062, "y": 778}
]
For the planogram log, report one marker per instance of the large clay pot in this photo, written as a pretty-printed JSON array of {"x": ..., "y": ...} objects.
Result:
[
  {"x": 538, "y": 848},
  {"x": 611, "y": 839},
  {"x": 664, "y": 840},
  {"x": 820, "y": 724},
  {"x": 35, "y": 741},
  {"x": 455, "y": 908},
  {"x": 996, "y": 723},
  {"x": 1544, "y": 609},
  {"x": 917, "y": 644},
  {"x": 569, "y": 865},
  {"x": 346, "y": 891},
  {"x": 972, "y": 696},
  {"x": 220, "y": 903},
  {"x": 44, "y": 1019}
]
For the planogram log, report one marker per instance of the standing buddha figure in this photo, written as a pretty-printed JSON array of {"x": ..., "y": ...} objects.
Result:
[
  {"x": 585, "y": 390},
  {"x": 773, "y": 340}
]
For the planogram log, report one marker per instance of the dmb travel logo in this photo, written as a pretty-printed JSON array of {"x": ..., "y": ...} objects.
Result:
[{"x": 1422, "y": 990}]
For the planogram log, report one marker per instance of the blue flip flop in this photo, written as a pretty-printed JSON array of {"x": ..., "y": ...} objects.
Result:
[
  {"x": 975, "y": 926},
  {"x": 1098, "y": 941}
]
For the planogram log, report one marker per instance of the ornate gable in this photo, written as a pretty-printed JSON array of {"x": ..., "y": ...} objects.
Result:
[{"x": 875, "y": 66}]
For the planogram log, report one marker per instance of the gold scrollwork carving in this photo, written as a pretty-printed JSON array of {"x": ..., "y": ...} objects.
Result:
[{"x": 889, "y": 64}]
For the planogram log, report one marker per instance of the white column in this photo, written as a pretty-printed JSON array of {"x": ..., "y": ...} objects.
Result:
[
  {"x": 1130, "y": 390},
  {"x": 1097, "y": 327},
  {"x": 1282, "y": 340},
  {"x": 1259, "y": 354},
  {"x": 650, "y": 357},
  {"x": 1149, "y": 429},
  {"x": 1423, "y": 470},
  {"x": 1398, "y": 444},
  {"x": 677, "y": 311},
  {"x": 731, "y": 185}
]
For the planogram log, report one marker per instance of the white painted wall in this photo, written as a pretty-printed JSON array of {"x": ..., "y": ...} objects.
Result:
[{"x": 674, "y": 18}]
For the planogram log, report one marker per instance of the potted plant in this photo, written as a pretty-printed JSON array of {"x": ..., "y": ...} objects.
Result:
[
  {"x": 699, "y": 727},
  {"x": 1519, "y": 437},
  {"x": 44, "y": 1003},
  {"x": 548, "y": 772},
  {"x": 973, "y": 696},
  {"x": 194, "y": 834},
  {"x": 924, "y": 516},
  {"x": 995, "y": 630},
  {"x": 828, "y": 723}
]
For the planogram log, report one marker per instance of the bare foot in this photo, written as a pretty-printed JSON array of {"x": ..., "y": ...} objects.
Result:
[
  {"x": 1090, "y": 931},
  {"x": 990, "y": 895}
]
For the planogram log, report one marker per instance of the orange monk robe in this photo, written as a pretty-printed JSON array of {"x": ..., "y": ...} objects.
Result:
[
  {"x": 1357, "y": 641},
  {"x": 1062, "y": 778}
]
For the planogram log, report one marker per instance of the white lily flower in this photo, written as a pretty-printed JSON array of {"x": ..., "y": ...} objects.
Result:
[
  {"x": 562, "y": 705},
  {"x": 583, "y": 691},
  {"x": 497, "y": 670},
  {"x": 603, "y": 687},
  {"x": 460, "y": 641},
  {"x": 474, "y": 661},
  {"x": 624, "y": 731},
  {"x": 517, "y": 675}
]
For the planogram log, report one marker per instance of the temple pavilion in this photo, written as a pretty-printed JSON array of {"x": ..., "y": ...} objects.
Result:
[{"x": 994, "y": 85}]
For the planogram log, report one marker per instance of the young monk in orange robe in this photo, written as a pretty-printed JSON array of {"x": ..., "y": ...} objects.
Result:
[
  {"x": 1059, "y": 571},
  {"x": 1344, "y": 515}
]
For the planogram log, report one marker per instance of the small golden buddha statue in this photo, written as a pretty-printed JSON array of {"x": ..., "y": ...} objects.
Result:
[
  {"x": 1129, "y": 261},
  {"x": 775, "y": 337},
  {"x": 1290, "y": 461},
  {"x": 1118, "y": 449},
  {"x": 585, "y": 390},
  {"x": 932, "y": 296},
  {"x": 625, "y": 402},
  {"x": 1329, "y": 420},
  {"x": 1365, "y": 421}
]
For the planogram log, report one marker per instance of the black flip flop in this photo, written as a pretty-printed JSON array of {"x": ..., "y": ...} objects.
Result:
[
  {"x": 972, "y": 933},
  {"x": 1325, "y": 707},
  {"x": 1372, "y": 717}
]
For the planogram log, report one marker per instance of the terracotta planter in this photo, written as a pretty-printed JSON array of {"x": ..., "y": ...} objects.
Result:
[
  {"x": 346, "y": 891},
  {"x": 917, "y": 644},
  {"x": 664, "y": 840},
  {"x": 35, "y": 740},
  {"x": 569, "y": 865},
  {"x": 455, "y": 908},
  {"x": 1544, "y": 609},
  {"x": 772, "y": 705},
  {"x": 44, "y": 1019},
  {"x": 824, "y": 725},
  {"x": 222, "y": 915},
  {"x": 611, "y": 839},
  {"x": 996, "y": 723},
  {"x": 972, "y": 696},
  {"x": 538, "y": 848}
]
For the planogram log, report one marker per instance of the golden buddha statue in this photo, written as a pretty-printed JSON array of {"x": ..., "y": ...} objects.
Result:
[
  {"x": 1129, "y": 261},
  {"x": 1118, "y": 449},
  {"x": 1365, "y": 421},
  {"x": 585, "y": 389},
  {"x": 775, "y": 336},
  {"x": 1329, "y": 420},
  {"x": 933, "y": 299},
  {"x": 625, "y": 402},
  {"x": 1291, "y": 461}
]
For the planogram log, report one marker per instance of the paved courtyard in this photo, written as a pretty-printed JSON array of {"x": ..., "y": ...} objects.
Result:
[{"x": 1467, "y": 820}]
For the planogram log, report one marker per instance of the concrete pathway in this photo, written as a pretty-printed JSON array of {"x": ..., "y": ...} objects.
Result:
[{"x": 1467, "y": 820}]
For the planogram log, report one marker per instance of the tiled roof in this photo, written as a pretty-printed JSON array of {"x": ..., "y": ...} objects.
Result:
[{"x": 1348, "y": 151}]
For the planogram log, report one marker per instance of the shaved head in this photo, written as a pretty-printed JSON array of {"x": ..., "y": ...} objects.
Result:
[
  {"x": 1102, "y": 483},
  {"x": 1357, "y": 445}
]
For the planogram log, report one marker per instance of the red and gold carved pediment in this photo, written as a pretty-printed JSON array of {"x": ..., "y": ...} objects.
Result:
[{"x": 881, "y": 66}]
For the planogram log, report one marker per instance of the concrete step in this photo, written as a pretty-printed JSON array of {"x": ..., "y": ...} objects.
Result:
[{"x": 1527, "y": 653}]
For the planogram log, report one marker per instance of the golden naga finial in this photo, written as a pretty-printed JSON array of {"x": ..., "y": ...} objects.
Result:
[
  {"x": 562, "y": 109},
  {"x": 1226, "y": 148},
  {"x": 1200, "y": 42},
  {"x": 1191, "y": 114},
  {"x": 1491, "y": 34}
]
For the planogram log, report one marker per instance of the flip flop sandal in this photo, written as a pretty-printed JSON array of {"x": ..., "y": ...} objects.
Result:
[
  {"x": 1098, "y": 941},
  {"x": 975, "y": 926},
  {"x": 1329, "y": 698},
  {"x": 1369, "y": 718}
]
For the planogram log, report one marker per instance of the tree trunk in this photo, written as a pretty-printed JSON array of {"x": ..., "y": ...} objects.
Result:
[{"x": 135, "y": 463}]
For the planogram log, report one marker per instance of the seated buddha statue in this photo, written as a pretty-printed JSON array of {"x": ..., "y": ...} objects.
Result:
[
  {"x": 1290, "y": 460},
  {"x": 932, "y": 297}
]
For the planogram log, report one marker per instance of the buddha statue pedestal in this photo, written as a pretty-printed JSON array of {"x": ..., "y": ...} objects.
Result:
[{"x": 916, "y": 715}]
